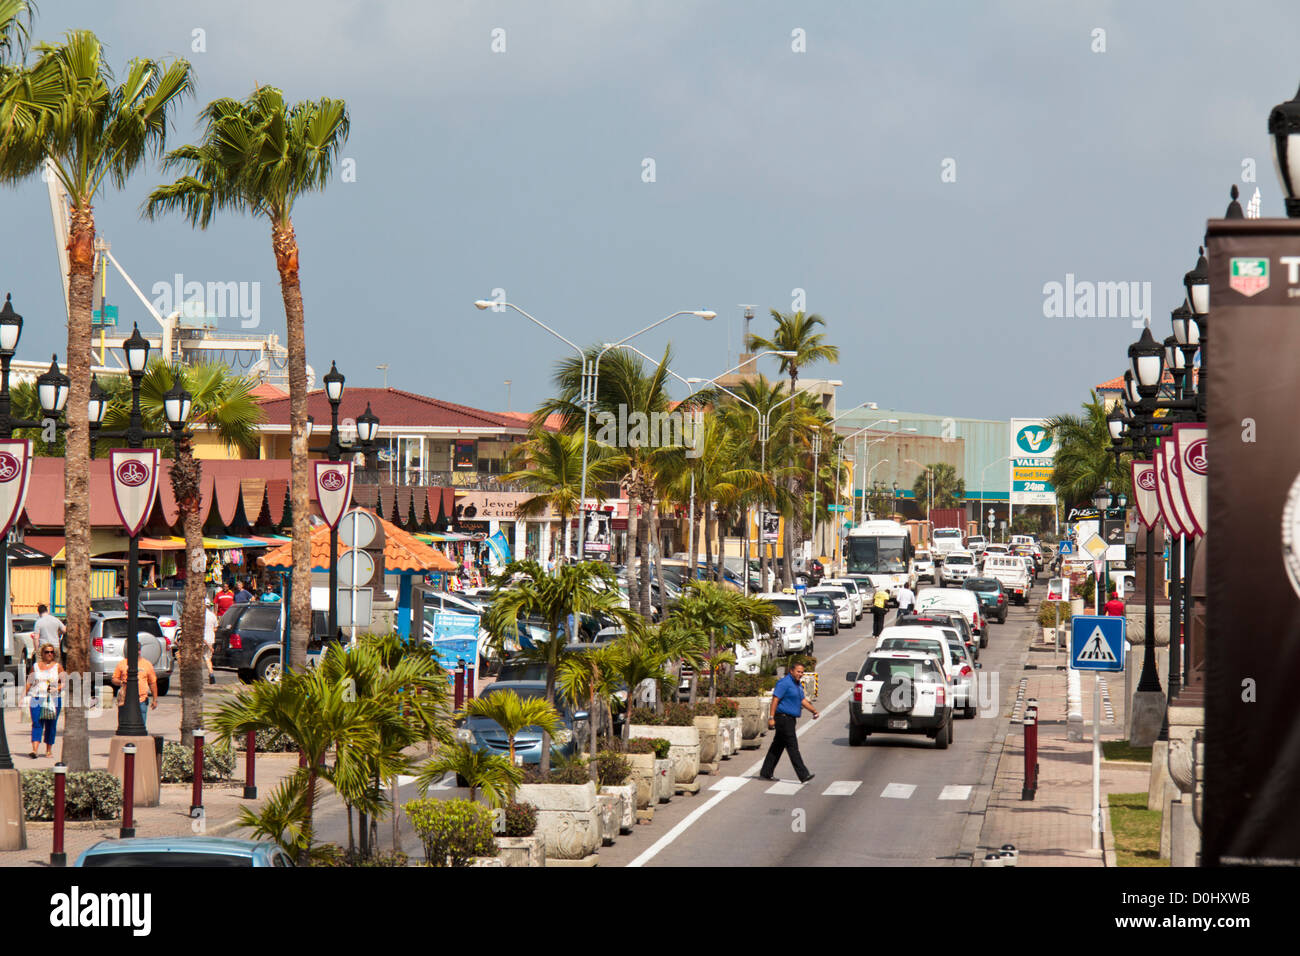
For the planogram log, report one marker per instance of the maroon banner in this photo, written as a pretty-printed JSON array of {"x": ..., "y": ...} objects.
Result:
[
  {"x": 1189, "y": 450},
  {"x": 1143, "y": 476},
  {"x": 333, "y": 482},
  {"x": 15, "y": 472},
  {"x": 135, "y": 484}
]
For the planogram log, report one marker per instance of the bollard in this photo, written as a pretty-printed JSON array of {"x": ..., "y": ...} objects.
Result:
[
  {"x": 1030, "y": 724},
  {"x": 128, "y": 792},
  {"x": 1010, "y": 855},
  {"x": 57, "y": 856},
  {"x": 250, "y": 766},
  {"x": 469, "y": 682},
  {"x": 993, "y": 859},
  {"x": 196, "y": 801},
  {"x": 460, "y": 688}
]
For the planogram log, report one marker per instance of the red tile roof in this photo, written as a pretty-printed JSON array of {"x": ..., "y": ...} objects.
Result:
[
  {"x": 395, "y": 408},
  {"x": 402, "y": 552},
  {"x": 1116, "y": 384},
  {"x": 553, "y": 423},
  {"x": 266, "y": 390}
]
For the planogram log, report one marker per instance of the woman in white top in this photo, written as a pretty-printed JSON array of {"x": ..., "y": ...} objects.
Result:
[{"x": 45, "y": 693}]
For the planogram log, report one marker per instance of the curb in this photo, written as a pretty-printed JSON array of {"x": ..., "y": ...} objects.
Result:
[
  {"x": 1107, "y": 834},
  {"x": 973, "y": 830}
]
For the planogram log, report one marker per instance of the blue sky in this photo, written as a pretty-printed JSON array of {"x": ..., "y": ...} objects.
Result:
[{"x": 774, "y": 171}]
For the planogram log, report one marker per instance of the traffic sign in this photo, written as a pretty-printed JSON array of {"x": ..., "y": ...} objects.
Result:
[
  {"x": 1095, "y": 546},
  {"x": 1096, "y": 643},
  {"x": 837, "y": 508},
  {"x": 1067, "y": 547}
]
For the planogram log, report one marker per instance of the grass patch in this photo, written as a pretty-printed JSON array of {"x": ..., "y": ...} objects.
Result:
[
  {"x": 1137, "y": 830},
  {"x": 1120, "y": 750}
]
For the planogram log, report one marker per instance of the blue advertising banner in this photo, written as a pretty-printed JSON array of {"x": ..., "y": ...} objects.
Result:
[{"x": 455, "y": 638}]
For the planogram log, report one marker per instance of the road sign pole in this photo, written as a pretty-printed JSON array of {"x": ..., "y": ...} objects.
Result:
[{"x": 1096, "y": 761}]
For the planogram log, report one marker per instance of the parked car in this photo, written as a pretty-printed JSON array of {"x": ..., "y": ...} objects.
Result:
[
  {"x": 841, "y": 599},
  {"x": 23, "y": 628},
  {"x": 169, "y": 617},
  {"x": 754, "y": 653},
  {"x": 855, "y": 592},
  {"x": 248, "y": 639},
  {"x": 992, "y": 597},
  {"x": 901, "y": 692},
  {"x": 826, "y": 616},
  {"x": 486, "y": 736},
  {"x": 793, "y": 625},
  {"x": 108, "y": 604},
  {"x": 155, "y": 852},
  {"x": 108, "y": 636}
]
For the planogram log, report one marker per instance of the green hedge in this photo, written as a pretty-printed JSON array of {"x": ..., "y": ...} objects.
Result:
[
  {"x": 268, "y": 742},
  {"x": 178, "y": 763},
  {"x": 452, "y": 831},
  {"x": 89, "y": 795}
]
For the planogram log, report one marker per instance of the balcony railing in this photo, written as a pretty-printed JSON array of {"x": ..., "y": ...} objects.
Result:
[{"x": 470, "y": 481}]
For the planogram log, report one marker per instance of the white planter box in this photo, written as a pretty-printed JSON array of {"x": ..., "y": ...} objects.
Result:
[
  {"x": 567, "y": 817},
  {"x": 685, "y": 752},
  {"x": 708, "y": 728},
  {"x": 628, "y": 794},
  {"x": 610, "y": 808},
  {"x": 665, "y": 780},
  {"x": 751, "y": 721},
  {"x": 643, "y": 779},
  {"x": 730, "y": 727},
  {"x": 522, "y": 851}
]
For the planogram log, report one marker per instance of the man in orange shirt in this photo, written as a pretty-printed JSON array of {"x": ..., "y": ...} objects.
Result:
[{"x": 148, "y": 686}]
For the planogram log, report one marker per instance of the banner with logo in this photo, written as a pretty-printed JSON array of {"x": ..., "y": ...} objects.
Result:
[
  {"x": 1144, "y": 492},
  {"x": 135, "y": 482},
  {"x": 1173, "y": 490},
  {"x": 1167, "y": 513},
  {"x": 333, "y": 482},
  {"x": 15, "y": 471},
  {"x": 1189, "y": 448},
  {"x": 453, "y": 637},
  {"x": 1251, "y": 653},
  {"x": 1032, "y": 458}
]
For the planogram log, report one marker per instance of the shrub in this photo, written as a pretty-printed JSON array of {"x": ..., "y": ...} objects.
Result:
[
  {"x": 645, "y": 715},
  {"x": 807, "y": 660},
  {"x": 178, "y": 763},
  {"x": 649, "y": 745},
  {"x": 768, "y": 684},
  {"x": 521, "y": 819},
  {"x": 89, "y": 795},
  {"x": 704, "y": 709},
  {"x": 1047, "y": 613},
  {"x": 331, "y": 854},
  {"x": 727, "y": 707},
  {"x": 678, "y": 715},
  {"x": 452, "y": 831},
  {"x": 741, "y": 685},
  {"x": 268, "y": 742},
  {"x": 563, "y": 770},
  {"x": 612, "y": 769}
]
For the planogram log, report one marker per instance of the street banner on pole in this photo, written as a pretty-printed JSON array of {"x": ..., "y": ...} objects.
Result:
[
  {"x": 15, "y": 471},
  {"x": 1252, "y": 573},
  {"x": 1174, "y": 489},
  {"x": 1167, "y": 513},
  {"x": 1189, "y": 446},
  {"x": 333, "y": 481},
  {"x": 135, "y": 482},
  {"x": 1144, "y": 492}
]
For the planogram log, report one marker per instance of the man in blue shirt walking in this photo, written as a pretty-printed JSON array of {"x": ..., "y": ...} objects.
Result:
[{"x": 787, "y": 704}]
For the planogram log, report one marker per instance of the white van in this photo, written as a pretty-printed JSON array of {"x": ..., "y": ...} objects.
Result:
[{"x": 955, "y": 599}]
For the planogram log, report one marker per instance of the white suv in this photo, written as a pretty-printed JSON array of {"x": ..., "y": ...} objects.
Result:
[
  {"x": 922, "y": 567},
  {"x": 793, "y": 625},
  {"x": 855, "y": 593},
  {"x": 901, "y": 692},
  {"x": 957, "y": 567}
]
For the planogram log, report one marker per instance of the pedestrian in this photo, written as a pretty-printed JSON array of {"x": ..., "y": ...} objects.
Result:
[
  {"x": 788, "y": 702},
  {"x": 242, "y": 596},
  {"x": 906, "y": 600},
  {"x": 209, "y": 639},
  {"x": 45, "y": 695},
  {"x": 49, "y": 629},
  {"x": 878, "y": 602},
  {"x": 1114, "y": 607},
  {"x": 225, "y": 599},
  {"x": 148, "y": 689},
  {"x": 268, "y": 594}
]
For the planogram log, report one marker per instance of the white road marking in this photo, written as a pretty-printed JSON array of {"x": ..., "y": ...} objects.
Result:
[
  {"x": 728, "y": 784},
  {"x": 842, "y": 788},
  {"x": 898, "y": 791},
  {"x": 954, "y": 792},
  {"x": 784, "y": 788}
]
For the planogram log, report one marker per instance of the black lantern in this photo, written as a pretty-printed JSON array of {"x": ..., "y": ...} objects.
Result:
[
  {"x": 1173, "y": 354},
  {"x": 11, "y": 328},
  {"x": 1197, "y": 284},
  {"x": 334, "y": 384},
  {"x": 1115, "y": 422},
  {"x": 1101, "y": 498},
  {"x": 98, "y": 403},
  {"x": 176, "y": 405},
  {"x": 1147, "y": 357},
  {"x": 1186, "y": 330},
  {"x": 137, "y": 351},
  {"x": 52, "y": 388},
  {"x": 1284, "y": 127},
  {"x": 367, "y": 425}
]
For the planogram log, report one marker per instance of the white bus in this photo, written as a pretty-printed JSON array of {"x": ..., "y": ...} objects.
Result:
[{"x": 880, "y": 551}]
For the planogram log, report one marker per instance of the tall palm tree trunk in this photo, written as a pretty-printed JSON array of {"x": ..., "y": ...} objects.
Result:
[
  {"x": 633, "y": 532},
  {"x": 787, "y": 544},
  {"x": 186, "y": 475},
  {"x": 643, "y": 533},
  {"x": 285, "y": 245},
  {"x": 76, "y": 473},
  {"x": 656, "y": 533},
  {"x": 708, "y": 537}
]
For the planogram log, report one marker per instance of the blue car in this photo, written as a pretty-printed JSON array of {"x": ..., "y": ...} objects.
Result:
[
  {"x": 155, "y": 852},
  {"x": 825, "y": 615},
  {"x": 487, "y": 736}
]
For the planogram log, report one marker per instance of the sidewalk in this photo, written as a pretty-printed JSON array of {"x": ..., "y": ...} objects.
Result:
[
  {"x": 222, "y": 801},
  {"x": 1054, "y": 829}
]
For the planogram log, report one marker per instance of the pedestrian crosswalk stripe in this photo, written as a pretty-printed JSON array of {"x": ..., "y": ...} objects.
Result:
[
  {"x": 898, "y": 791},
  {"x": 729, "y": 783},
  {"x": 784, "y": 788},
  {"x": 1097, "y": 648},
  {"x": 954, "y": 792},
  {"x": 842, "y": 788}
]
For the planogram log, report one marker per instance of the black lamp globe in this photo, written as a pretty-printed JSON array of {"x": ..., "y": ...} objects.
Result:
[
  {"x": 1197, "y": 284},
  {"x": 98, "y": 403},
  {"x": 367, "y": 425},
  {"x": 52, "y": 388},
  {"x": 137, "y": 351},
  {"x": 176, "y": 405},
  {"x": 1147, "y": 357},
  {"x": 1115, "y": 422},
  {"x": 1185, "y": 328},
  {"x": 1284, "y": 128},
  {"x": 1101, "y": 498},
  {"x": 311, "y": 423},
  {"x": 1131, "y": 388},
  {"x": 11, "y": 328},
  {"x": 1121, "y": 500},
  {"x": 1173, "y": 354},
  {"x": 334, "y": 384}
]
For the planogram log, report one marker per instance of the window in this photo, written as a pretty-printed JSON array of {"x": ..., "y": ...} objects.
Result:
[{"x": 258, "y": 618}]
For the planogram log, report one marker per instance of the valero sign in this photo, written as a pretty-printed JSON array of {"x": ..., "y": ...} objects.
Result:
[{"x": 1032, "y": 458}]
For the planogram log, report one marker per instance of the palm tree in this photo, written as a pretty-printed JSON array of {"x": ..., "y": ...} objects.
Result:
[
  {"x": 524, "y": 589},
  {"x": 260, "y": 156},
  {"x": 513, "y": 714},
  {"x": 1084, "y": 461},
  {"x": 795, "y": 332},
  {"x": 638, "y": 657},
  {"x": 493, "y": 774},
  {"x": 65, "y": 112},
  {"x": 942, "y": 480},
  {"x": 223, "y": 404},
  {"x": 15, "y": 26},
  {"x": 553, "y": 472},
  {"x": 590, "y": 678},
  {"x": 724, "y": 617}
]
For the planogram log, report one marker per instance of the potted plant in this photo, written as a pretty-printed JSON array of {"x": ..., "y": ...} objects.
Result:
[
  {"x": 1050, "y": 614},
  {"x": 614, "y": 775},
  {"x": 454, "y": 832},
  {"x": 676, "y": 725},
  {"x": 518, "y": 842},
  {"x": 729, "y": 726},
  {"x": 651, "y": 767},
  {"x": 568, "y": 813},
  {"x": 706, "y": 722},
  {"x": 746, "y": 690}
]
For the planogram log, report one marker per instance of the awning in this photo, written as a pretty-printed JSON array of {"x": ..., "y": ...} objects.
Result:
[
  {"x": 232, "y": 541},
  {"x": 162, "y": 544},
  {"x": 20, "y": 555}
]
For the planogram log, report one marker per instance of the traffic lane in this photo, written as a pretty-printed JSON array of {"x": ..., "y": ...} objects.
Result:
[{"x": 811, "y": 827}]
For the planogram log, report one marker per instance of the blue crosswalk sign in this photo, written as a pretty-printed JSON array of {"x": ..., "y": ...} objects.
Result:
[
  {"x": 1097, "y": 643},
  {"x": 1066, "y": 548}
]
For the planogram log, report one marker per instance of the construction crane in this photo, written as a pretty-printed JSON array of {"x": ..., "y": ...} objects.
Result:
[{"x": 186, "y": 334}]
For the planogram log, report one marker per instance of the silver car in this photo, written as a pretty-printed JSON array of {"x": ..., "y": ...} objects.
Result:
[{"x": 108, "y": 645}]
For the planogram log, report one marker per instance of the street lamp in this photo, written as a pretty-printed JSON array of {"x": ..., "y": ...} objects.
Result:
[
  {"x": 52, "y": 392},
  {"x": 367, "y": 426},
  {"x": 176, "y": 407},
  {"x": 590, "y": 378},
  {"x": 1284, "y": 127}
]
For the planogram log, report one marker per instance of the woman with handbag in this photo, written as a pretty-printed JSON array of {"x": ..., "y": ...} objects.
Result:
[{"x": 45, "y": 692}]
